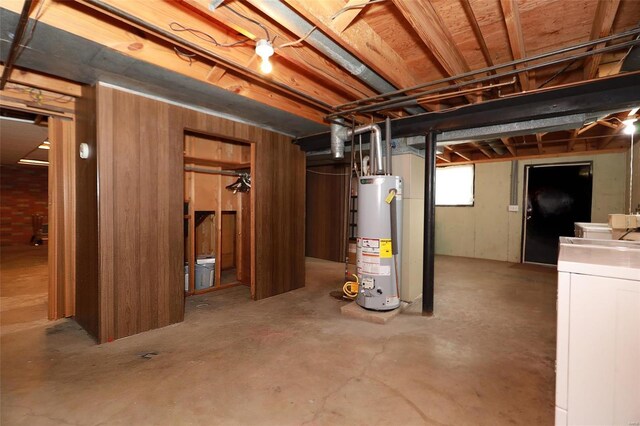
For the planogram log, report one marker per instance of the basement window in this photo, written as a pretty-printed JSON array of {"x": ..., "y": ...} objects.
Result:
[{"x": 455, "y": 185}]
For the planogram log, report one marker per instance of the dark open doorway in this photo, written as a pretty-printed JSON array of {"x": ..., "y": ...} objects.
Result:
[{"x": 556, "y": 196}]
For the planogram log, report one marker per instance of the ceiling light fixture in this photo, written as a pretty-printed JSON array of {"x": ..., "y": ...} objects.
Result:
[
  {"x": 264, "y": 49},
  {"x": 33, "y": 162},
  {"x": 44, "y": 146},
  {"x": 629, "y": 126}
]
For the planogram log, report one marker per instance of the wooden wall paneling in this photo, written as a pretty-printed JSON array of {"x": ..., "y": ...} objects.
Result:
[
  {"x": 171, "y": 301},
  {"x": 148, "y": 212},
  {"x": 86, "y": 214},
  {"x": 127, "y": 232},
  {"x": 325, "y": 206},
  {"x": 124, "y": 124},
  {"x": 279, "y": 215},
  {"x": 105, "y": 107}
]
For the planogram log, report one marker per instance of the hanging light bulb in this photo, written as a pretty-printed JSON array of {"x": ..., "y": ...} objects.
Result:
[
  {"x": 264, "y": 49},
  {"x": 266, "y": 66},
  {"x": 629, "y": 126}
]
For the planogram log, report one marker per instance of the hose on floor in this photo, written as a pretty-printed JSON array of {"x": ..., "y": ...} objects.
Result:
[{"x": 350, "y": 288}]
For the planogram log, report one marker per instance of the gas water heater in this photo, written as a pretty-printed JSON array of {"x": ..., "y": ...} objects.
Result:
[
  {"x": 379, "y": 220},
  {"x": 378, "y": 242}
]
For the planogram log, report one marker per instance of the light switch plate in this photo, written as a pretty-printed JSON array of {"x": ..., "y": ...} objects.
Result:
[{"x": 513, "y": 208}]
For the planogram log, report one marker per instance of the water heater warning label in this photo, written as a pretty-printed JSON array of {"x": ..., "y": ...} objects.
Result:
[{"x": 385, "y": 248}]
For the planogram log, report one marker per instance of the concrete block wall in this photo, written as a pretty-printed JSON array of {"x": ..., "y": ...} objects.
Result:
[{"x": 23, "y": 192}]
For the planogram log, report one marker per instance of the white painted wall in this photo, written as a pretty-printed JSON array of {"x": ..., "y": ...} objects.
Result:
[{"x": 489, "y": 231}]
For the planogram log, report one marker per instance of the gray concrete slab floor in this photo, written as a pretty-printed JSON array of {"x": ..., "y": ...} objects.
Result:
[{"x": 486, "y": 357}]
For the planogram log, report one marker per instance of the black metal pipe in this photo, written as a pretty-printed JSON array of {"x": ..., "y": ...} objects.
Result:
[
  {"x": 194, "y": 48},
  {"x": 15, "y": 44},
  {"x": 485, "y": 70},
  {"x": 428, "y": 254},
  {"x": 409, "y": 100}
]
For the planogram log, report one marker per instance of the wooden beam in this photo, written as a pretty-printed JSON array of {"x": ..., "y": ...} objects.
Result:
[
  {"x": 301, "y": 56},
  {"x": 539, "y": 142},
  {"x": 73, "y": 18},
  {"x": 509, "y": 145},
  {"x": 516, "y": 38},
  {"x": 546, "y": 155},
  {"x": 602, "y": 22},
  {"x": 426, "y": 22},
  {"x": 434, "y": 34},
  {"x": 473, "y": 21},
  {"x": 344, "y": 19},
  {"x": 453, "y": 151},
  {"x": 359, "y": 39},
  {"x": 43, "y": 81},
  {"x": 572, "y": 140},
  {"x": 443, "y": 158},
  {"x": 481, "y": 149}
]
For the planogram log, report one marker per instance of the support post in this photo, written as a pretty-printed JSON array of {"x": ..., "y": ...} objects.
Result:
[{"x": 428, "y": 254}]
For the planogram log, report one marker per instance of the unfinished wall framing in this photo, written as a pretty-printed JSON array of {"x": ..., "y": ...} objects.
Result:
[{"x": 219, "y": 223}]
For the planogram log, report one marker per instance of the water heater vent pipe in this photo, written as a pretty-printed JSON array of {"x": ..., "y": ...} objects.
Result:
[{"x": 340, "y": 134}]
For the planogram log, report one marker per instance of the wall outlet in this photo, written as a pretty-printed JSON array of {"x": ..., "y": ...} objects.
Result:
[{"x": 513, "y": 208}]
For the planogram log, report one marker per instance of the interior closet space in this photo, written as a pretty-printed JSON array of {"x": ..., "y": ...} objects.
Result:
[{"x": 218, "y": 249}]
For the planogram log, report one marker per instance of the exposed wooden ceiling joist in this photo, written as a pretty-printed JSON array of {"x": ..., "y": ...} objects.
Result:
[
  {"x": 509, "y": 145},
  {"x": 359, "y": 39},
  {"x": 516, "y": 38},
  {"x": 432, "y": 31},
  {"x": 251, "y": 26},
  {"x": 603, "y": 21},
  {"x": 76, "y": 20}
]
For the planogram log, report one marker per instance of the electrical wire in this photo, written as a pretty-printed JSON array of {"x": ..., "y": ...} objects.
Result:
[
  {"x": 184, "y": 56},
  {"x": 354, "y": 6},
  {"x": 178, "y": 27},
  {"x": 334, "y": 16},
  {"x": 37, "y": 95},
  {"x": 36, "y": 19},
  {"x": 266, "y": 31}
]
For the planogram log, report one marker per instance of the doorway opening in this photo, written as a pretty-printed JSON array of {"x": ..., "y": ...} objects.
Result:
[
  {"x": 556, "y": 196},
  {"x": 24, "y": 217},
  {"x": 218, "y": 214}
]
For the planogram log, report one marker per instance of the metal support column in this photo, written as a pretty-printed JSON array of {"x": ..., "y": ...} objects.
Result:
[{"x": 428, "y": 254}]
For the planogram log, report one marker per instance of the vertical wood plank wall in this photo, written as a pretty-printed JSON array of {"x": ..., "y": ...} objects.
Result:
[
  {"x": 61, "y": 219},
  {"x": 326, "y": 191},
  {"x": 140, "y": 172},
  {"x": 86, "y": 214}
]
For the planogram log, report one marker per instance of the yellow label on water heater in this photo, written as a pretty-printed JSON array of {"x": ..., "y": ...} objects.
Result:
[{"x": 385, "y": 248}]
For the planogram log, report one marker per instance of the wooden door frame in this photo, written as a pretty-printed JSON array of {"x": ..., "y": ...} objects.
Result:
[{"x": 61, "y": 219}]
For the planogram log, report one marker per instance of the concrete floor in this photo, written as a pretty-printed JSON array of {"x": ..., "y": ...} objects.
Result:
[{"x": 486, "y": 357}]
